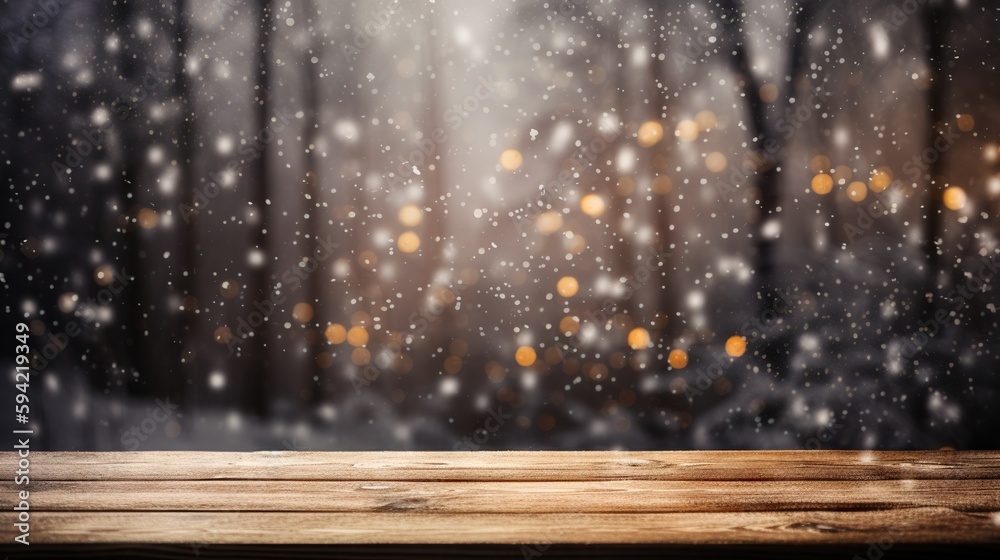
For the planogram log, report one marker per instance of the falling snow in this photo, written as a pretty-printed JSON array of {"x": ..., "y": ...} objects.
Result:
[{"x": 628, "y": 225}]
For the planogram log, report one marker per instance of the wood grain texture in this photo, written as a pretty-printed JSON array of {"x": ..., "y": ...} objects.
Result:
[
  {"x": 507, "y": 498},
  {"x": 513, "y": 465},
  {"x": 899, "y": 551},
  {"x": 511, "y": 497},
  {"x": 904, "y": 525}
]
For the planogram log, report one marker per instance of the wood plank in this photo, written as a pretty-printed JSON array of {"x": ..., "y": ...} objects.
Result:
[
  {"x": 499, "y": 498},
  {"x": 914, "y": 525},
  {"x": 512, "y": 466},
  {"x": 624, "y": 496},
  {"x": 898, "y": 551}
]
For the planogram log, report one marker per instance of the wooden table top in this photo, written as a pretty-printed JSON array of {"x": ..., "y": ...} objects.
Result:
[{"x": 509, "y": 498}]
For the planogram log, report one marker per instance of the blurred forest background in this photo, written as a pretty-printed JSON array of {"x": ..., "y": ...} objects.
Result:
[{"x": 240, "y": 224}]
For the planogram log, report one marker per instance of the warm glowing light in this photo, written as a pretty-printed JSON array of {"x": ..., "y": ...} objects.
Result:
[
  {"x": 687, "y": 130},
  {"x": 411, "y": 215},
  {"x": 736, "y": 346},
  {"x": 592, "y": 205},
  {"x": 103, "y": 275},
  {"x": 229, "y": 288},
  {"x": 857, "y": 191},
  {"x": 67, "y": 300},
  {"x": 965, "y": 122},
  {"x": 459, "y": 347},
  {"x": 991, "y": 152},
  {"x": 554, "y": 356},
  {"x": 569, "y": 325},
  {"x": 678, "y": 359},
  {"x": 336, "y": 333},
  {"x": 567, "y": 286},
  {"x": 360, "y": 356},
  {"x": 148, "y": 218},
  {"x": 638, "y": 338},
  {"x": 408, "y": 242},
  {"x": 662, "y": 185},
  {"x": 954, "y": 198},
  {"x": 525, "y": 356},
  {"x": 822, "y": 183},
  {"x": 302, "y": 312},
  {"x": 819, "y": 164},
  {"x": 511, "y": 160},
  {"x": 715, "y": 162},
  {"x": 223, "y": 335},
  {"x": 649, "y": 133},
  {"x": 706, "y": 120},
  {"x": 768, "y": 93},
  {"x": 495, "y": 372},
  {"x": 452, "y": 364},
  {"x": 880, "y": 180},
  {"x": 549, "y": 222},
  {"x": 361, "y": 317},
  {"x": 357, "y": 336}
]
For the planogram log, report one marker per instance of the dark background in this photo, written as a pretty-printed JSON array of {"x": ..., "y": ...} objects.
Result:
[{"x": 330, "y": 117}]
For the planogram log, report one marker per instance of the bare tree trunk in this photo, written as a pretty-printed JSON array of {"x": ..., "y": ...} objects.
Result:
[
  {"x": 433, "y": 240},
  {"x": 767, "y": 178},
  {"x": 766, "y": 173},
  {"x": 669, "y": 300},
  {"x": 257, "y": 362},
  {"x": 768, "y": 161},
  {"x": 348, "y": 193},
  {"x": 314, "y": 209},
  {"x": 935, "y": 23},
  {"x": 130, "y": 341},
  {"x": 181, "y": 330}
]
